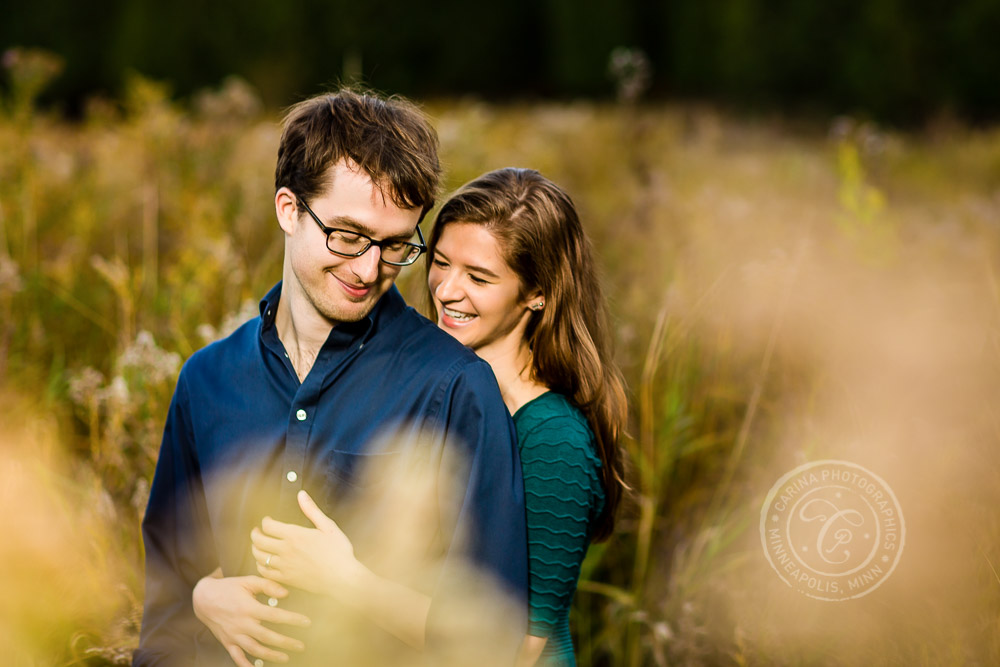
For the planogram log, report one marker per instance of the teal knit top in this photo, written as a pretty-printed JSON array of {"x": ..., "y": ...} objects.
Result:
[{"x": 563, "y": 496}]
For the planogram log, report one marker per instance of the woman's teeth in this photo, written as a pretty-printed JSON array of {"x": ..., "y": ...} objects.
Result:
[{"x": 457, "y": 315}]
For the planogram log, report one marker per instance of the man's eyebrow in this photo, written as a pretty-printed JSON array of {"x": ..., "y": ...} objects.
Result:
[{"x": 344, "y": 221}]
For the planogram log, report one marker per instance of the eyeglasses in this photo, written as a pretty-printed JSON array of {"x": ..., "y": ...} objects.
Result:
[{"x": 349, "y": 243}]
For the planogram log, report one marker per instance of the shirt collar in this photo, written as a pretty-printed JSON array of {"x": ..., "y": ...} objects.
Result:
[
  {"x": 269, "y": 306},
  {"x": 386, "y": 309}
]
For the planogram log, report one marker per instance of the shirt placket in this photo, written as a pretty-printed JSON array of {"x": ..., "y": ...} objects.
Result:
[
  {"x": 304, "y": 410},
  {"x": 301, "y": 416}
]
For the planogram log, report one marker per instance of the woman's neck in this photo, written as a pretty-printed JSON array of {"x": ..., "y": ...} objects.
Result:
[{"x": 511, "y": 364}]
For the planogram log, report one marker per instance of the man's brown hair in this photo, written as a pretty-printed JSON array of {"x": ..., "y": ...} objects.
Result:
[{"x": 390, "y": 139}]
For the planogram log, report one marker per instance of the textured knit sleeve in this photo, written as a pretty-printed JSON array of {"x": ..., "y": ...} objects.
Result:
[{"x": 562, "y": 492}]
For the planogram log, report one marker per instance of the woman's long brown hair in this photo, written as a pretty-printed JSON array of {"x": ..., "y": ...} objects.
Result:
[{"x": 540, "y": 236}]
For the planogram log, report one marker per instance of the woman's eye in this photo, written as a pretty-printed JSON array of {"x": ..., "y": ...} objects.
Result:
[
  {"x": 440, "y": 263},
  {"x": 477, "y": 280}
]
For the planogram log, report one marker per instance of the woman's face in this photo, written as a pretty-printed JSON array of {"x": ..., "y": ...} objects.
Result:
[{"x": 477, "y": 295}]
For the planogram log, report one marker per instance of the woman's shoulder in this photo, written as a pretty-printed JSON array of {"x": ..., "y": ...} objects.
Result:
[
  {"x": 550, "y": 409},
  {"x": 551, "y": 420},
  {"x": 549, "y": 404}
]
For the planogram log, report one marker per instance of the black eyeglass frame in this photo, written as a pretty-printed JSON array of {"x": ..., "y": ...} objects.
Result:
[{"x": 421, "y": 247}]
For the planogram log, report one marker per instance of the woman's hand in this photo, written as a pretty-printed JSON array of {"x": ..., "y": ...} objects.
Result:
[
  {"x": 319, "y": 559},
  {"x": 229, "y": 608}
]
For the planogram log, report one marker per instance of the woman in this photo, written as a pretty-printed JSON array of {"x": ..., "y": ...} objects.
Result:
[{"x": 511, "y": 276}]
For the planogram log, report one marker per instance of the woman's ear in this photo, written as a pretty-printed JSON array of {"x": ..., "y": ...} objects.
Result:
[
  {"x": 535, "y": 301},
  {"x": 287, "y": 210}
]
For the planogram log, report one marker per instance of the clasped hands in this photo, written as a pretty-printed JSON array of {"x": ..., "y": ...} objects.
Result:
[{"x": 320, "y": 560}]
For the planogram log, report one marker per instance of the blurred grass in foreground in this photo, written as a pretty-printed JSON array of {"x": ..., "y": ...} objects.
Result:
[
  {"x": 782, "y": 294},
  {"x": 69, "y": 576}
]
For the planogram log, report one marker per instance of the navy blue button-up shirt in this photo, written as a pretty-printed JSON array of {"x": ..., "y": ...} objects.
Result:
[{"x": 243, "y": 435}]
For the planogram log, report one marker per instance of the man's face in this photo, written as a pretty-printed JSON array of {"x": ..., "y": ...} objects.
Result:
[{"x": 343, "y": 289}]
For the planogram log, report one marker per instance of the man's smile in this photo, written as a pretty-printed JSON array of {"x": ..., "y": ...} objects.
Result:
[{"x": 354, "y": 291}]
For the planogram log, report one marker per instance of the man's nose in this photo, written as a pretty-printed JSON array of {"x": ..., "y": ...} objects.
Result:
[{"x": 366, "y": 267}]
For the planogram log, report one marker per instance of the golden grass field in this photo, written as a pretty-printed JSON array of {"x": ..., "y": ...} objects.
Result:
[{"x": 783, "y": 291}]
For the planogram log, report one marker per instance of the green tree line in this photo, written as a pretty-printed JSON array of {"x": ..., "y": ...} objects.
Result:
[{"x": 896, "y": 60}]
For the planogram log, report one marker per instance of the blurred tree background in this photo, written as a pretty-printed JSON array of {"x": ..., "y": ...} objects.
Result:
[
  {"x": 795, "y": 204},
  {"x": 894, "y": 60}
]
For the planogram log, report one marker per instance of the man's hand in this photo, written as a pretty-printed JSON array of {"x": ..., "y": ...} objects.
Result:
[{"x": 227, "y": 606}]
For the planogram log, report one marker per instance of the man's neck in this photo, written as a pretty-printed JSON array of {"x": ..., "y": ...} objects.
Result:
[{"x": 301, "y": 330}]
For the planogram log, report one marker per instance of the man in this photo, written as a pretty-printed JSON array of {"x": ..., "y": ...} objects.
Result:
[{"x": 295, "y": 399}]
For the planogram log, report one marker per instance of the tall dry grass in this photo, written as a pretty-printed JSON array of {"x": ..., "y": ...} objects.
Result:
[{"x": 782, "y": 292}]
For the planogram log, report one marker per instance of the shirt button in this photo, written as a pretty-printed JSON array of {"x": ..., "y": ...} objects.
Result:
[
  {"x": 292, "y": 476},
  {"x": 301, "y": 415},
  {"x": 272, "y": 602},
  {"x": 258, "y": 663}
]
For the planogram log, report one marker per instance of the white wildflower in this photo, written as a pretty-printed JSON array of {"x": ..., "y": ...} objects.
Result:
[
  {"x": 116, "y": 394},
  {"x": 144, "y": 356},
  {"x": 10, "y": 276},
  {"x": 140, "y": 496},
  {"x": 85, "y": 386},
  {"x": 206, "y": 332},
  {"x": 631, "y": 71},
  {"x": 248, "y": 310}
]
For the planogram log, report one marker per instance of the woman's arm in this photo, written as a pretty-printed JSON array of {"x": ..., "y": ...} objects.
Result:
[
  {"x": 531, "y": 650},
  {"x": 560, "y": 477},
  {"x": 322, "y": 560}
]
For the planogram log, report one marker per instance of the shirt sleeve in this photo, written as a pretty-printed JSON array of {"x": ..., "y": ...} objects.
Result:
[
  {"x": 490, "y": 526},
  {"x": 177, "y": 550},
  {"x": 558, "y": 482}
]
